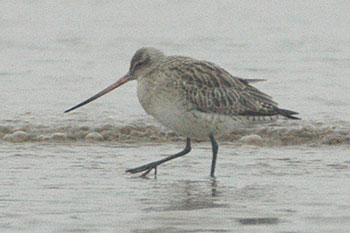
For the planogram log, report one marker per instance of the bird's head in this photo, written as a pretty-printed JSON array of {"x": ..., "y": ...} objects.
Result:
[{"x": 142, "y": 62}]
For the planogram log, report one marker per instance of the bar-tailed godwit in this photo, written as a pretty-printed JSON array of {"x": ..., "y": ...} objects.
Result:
[{"x": 196, "y": 99}]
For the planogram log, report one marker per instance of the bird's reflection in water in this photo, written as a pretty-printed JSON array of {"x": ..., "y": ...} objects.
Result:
[
  {"x": 258, "y": 221},
  {"x": 213, "y": 187},
  {"x": 183, "y": 206},
  {"x": 192, "y": 195},
  {"x": 199, "y": 205}
]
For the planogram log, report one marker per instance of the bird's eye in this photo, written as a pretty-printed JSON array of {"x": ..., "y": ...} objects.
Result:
[{"x": 137, "y": 65}]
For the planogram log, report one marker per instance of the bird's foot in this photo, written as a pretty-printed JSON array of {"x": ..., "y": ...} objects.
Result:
[{"x": 145, "y": 168}]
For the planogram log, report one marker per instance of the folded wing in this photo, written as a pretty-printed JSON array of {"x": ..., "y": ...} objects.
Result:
[{"x": 212, "y": 89}]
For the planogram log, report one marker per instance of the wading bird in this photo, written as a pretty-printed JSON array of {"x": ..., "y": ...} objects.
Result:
[{"x": 197, "y": 99}]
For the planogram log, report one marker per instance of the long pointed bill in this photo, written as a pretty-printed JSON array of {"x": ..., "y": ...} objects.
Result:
[{"x": 120, "y": 82}]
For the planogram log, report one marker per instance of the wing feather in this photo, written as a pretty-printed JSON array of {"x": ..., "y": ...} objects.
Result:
[{"x": 212, "y": 89}]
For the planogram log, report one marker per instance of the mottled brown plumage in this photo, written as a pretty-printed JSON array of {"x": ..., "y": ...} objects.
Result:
[
  {"x": 194, "y": 98},
  {"x": 213, "y": 90}
]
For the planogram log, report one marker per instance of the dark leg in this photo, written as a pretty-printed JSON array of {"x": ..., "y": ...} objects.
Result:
[
  {"x": 148, "y": 167},
  {"x": 215, "y": 148}
]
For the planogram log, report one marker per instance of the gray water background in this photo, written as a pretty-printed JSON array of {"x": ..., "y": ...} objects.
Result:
[{"x": 66, "y": 172}]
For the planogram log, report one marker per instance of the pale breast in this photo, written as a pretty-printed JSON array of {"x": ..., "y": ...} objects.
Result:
[
  {"x": 166, "y": 102},
  {"x": 161, "y": 100}
]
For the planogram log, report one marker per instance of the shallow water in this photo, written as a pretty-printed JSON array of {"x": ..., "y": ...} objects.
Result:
[
  {"x": 66, "y": 172},
  {"x": 82, "y": 187}
]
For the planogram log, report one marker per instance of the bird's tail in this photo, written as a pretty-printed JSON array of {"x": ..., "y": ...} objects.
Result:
[{"x": 288, "y": 113}]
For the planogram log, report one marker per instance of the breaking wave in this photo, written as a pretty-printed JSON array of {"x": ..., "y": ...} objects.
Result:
[{"x": 286, "y": 133}]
